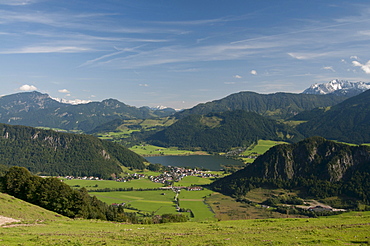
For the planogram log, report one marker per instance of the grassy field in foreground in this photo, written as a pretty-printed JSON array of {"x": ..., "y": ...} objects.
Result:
[{"x": 346, "y": 229}]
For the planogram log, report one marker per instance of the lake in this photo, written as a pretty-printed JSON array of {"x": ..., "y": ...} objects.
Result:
[{"x": 210, "y": 162}]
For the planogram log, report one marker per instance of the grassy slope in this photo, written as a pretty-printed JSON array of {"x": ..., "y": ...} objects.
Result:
[
  {"x": 17, "y": 209},
  {"x": 346, "y": 229},
  {"x": 259, "y": 149}
]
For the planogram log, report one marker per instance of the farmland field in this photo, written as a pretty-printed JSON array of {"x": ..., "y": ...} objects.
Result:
[
  {"x": 194, "y": 180},
  {"x": 152, "y": 150},
  {"x": 148, "y": 201},
  {"x": 142, "y": 183},
  {"x": 156, "y": 201}
]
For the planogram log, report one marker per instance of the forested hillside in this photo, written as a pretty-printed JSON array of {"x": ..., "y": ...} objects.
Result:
[
  {"x": 347, "y": 121},
  {"x": 319, "y": 167},
  {"x": 53, "y": 153},
  {"x": 222, "y": 131},
  {"x": 277, "y": 105}
]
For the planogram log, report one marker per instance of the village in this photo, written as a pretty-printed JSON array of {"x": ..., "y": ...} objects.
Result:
[
  {"x": 176, "y": 174},
  {"x": 168, "y": 178}
]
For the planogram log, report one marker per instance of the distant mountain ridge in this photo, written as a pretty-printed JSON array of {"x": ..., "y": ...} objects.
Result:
[
  {"x": 347, "y": 121},
  {"x": 277, "y": 105},
  {"x": 40, "y": 110},
  {"x": 338, "y": 87},
  {"x": 217, "y": 132}
]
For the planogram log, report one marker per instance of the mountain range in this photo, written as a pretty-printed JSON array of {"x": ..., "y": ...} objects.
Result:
[
  {"x": 338, "y": 87},
  {"x": 277, "y": 105},
  {"x": 40, "y": 110},
  {"x": 347, "y": 121},
  {"x": 218, "y": 132}
]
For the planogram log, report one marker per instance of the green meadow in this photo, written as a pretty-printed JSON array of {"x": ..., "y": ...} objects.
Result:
[
  {"x": 194, "y": 180},
  {"x": 259, "y": 149},
  {"x": 151, "y": 201},
  {"x": 346, "y": 229},
  {"x": 152, "y": 150},
  {"x": 142, "y": 183}
]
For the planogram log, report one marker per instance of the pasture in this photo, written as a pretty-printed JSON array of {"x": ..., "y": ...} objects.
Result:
[
  {"x": 142, "y": 183},
  {"x": 194, "y": 180},
  {"x": 152, "y": 150},
  {"x": 157, "y": 201},
  {"x": 259, "y": 149},
  {"x": 346, "y": 229}
]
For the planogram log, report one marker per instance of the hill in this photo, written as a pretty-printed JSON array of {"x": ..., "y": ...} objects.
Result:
[
  {"x": 39, "y": 110},
  {"x": 48, "y": 152},
  {"x": 277, "y": 105},
  {"x": 347, "y": 121},
  {"x": 25, "y": 212},
  {"x": 320, "y": 167},
  {"x": 221, "y": 131}
]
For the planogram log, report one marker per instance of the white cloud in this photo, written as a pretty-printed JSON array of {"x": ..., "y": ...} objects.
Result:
[
  {"x": 27, "y": 88},
  {"x": 229, "y": 83},
  {"x": 64, "y": 91},
  {"x": 253, "y": 72},
  {"x": 238, "y": 77},
  {"x": 329, "y": 68},
  {"x": 145, "y": 85},
  {"x": 364, "y": 67},
  {"x": 354, "y": 57}
]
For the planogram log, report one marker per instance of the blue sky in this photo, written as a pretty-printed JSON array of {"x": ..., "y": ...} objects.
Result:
[{"x": 179, "y": 53}]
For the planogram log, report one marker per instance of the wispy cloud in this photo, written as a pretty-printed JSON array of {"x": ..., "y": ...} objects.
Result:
[
  {"x": 17, "y": 2},
  {"x": 329, "y": 68},
  {"x": 307, "y": 56},
  {"x": 46, "y": 49}
]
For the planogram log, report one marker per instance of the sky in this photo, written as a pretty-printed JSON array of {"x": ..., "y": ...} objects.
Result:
[{"x": 179, "y": 53}]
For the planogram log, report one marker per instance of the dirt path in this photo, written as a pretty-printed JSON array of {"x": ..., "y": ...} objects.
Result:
[{"x": 6, "y": 220}]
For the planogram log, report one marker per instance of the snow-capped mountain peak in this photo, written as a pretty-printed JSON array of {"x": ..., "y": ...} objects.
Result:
[
  {"x": 339, "y": 87},
  {"x": 73, "y": 102}
]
